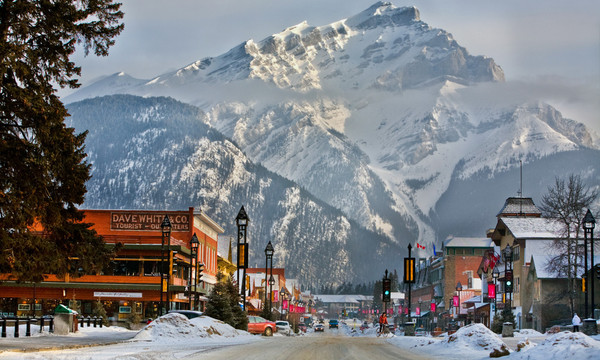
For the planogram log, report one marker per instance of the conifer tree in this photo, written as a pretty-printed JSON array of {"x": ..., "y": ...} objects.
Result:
[
  {"x": 223, "y": 303},
  {"x": 42, "y": 160}
]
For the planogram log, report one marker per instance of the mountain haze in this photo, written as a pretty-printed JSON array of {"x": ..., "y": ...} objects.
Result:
[{"x": 382, "y": 122}]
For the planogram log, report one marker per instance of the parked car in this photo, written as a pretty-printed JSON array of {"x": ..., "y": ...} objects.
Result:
[
  {"x": 302, "y": 327},
  {"x": 283, "y": 327},
  {"x": 259, "y": 325},
  {"x": 190, "y": 314},
  {"x": 333, "y": 323},
  {"x": 319, "y": 327}
]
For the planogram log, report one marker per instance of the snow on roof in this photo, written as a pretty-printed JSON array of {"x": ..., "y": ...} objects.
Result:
[
  {"x": 479, "y": 242},
  {"x": 343, "y": 298},
  {"x": 533, "y": 228},
  {"x": 515, "y": 205},
  {"x": 539, "y": 262}
]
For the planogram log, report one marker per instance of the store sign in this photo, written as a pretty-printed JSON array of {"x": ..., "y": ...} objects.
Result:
[
  {"x": 146, "y": 221},
  {"x": 102, "y": 294}
]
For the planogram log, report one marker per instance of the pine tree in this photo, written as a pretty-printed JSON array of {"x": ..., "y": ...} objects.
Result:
[
  {"x": 100, "y": 311},
  {"x": 43, "y": 162},
  {"x": 223, "y": 303}
]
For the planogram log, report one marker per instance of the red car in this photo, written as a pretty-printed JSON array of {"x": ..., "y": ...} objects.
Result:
[{"x": 258, "y": 325}]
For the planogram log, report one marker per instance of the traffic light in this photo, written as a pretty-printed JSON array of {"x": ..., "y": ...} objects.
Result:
[
  {"x": 508, "y": 281},
  {"x": 387, "y": 288}
]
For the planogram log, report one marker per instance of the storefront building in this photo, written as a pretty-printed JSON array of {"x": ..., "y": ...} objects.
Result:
[{"x": 132, "y": 281}]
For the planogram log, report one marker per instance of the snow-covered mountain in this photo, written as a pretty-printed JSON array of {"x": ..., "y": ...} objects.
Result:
[{"x": 381, "y": 116}]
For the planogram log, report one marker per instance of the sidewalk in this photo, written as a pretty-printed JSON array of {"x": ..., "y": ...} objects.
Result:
[{"x": 83, "y": 338}]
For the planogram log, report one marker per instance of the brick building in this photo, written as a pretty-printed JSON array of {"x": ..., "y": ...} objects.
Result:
[{"x": 131, "y": 282}]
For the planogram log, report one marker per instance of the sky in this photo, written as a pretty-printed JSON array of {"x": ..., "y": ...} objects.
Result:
[{"x": 553, "y": 45}]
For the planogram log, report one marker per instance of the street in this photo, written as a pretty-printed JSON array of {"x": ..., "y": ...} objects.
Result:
[{"x": 321, "y": 346}]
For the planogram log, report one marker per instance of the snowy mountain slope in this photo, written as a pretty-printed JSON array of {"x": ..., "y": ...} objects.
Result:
[
  {"x": 380, "y": 115},
  {"x": 157, "y": 153}
]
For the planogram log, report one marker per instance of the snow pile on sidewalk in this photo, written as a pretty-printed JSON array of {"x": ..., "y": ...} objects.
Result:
[
  {"x": 527, "y": 333},
  {"x": 564, "y": 345},
  {"x": 471, "y": 341},
  {"x": 177, "y": 327}
]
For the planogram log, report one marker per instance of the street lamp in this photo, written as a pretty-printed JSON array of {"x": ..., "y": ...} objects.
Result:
[
  {"x": 508, "y": 258},
  {"x": 194, "y": 243},
  {"x": 271, "y": 283},
  {"x": 242, "y": 221},
  {"x": 588, "y": 228},
  {"x": 165, "y": 227},
  {"x": 269, "y": 257},
  {"x": 495, "y": 275},
  {"x": 458, "y": 290}
]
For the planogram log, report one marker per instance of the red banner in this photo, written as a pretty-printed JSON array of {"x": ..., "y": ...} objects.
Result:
[
  {"x": 418, "y": 310},
  {"x": 491, "y": 290},
  {"x": 285, "y": 305},
  {"x": 432, "y": 307},
  {"x": 292, "y": 308},
  {"x": 275, "y": 296},
  {"x": 455, "y": 301}
]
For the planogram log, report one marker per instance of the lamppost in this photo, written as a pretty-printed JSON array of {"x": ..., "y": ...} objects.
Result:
[
  {"x": 194, "y": 243},
  {"x": 242, "y": 221},
  {"x": 495, "y": 275},
  {"x": 269, "y": 257},
  {"x": 458, "y": 290},
  {"x": 165, "y": 227},
  {"x": 588, "y": 227},
  {"x": 508, "y": 257},
  {"x": 271, "y": 283}
]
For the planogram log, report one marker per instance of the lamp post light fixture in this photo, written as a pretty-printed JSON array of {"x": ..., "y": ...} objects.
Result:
[
  {"x": 242, "y": 221},
  {"x": 165, "y": 228},
  {"x": 588, "y": 228},
  {"x": 194, "y": 243},
  {"x": 495, "y": 275}
]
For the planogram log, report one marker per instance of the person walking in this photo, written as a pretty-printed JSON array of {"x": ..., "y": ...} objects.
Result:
[{"x": 576, "y": 322}]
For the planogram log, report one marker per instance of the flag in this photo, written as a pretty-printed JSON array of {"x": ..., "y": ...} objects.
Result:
[
  {"x": 434, "y": 253},
  {"x": 419, "y": 246}
]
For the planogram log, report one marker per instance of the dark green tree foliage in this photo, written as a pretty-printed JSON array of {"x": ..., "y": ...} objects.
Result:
[
  {"x": 42, "y": 161},
  {"x": 223, "y": 303}
]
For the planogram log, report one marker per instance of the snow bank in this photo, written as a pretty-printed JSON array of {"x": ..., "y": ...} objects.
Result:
[
  {"x": 527, "y": 333},
  {"x": 471, "y": 341},
  {"x": 564, "y": 345},
  {"x": 177, "y": 327}
]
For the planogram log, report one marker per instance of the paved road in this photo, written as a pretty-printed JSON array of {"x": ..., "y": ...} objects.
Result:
[{"x": 325, "y": 347}]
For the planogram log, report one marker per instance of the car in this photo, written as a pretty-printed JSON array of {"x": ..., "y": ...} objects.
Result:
[
  {"x": 319, "y": 327},
  {"x": 283, "y": 327},
  {"x": 302, "y": 327},
  {"x": 333, "y": 323},
  {"x": 190, "y": 314},
  {"x": 259, "y": 325}
]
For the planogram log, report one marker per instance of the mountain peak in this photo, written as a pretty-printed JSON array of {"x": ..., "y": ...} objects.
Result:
[{"x": 384, "y": 14}]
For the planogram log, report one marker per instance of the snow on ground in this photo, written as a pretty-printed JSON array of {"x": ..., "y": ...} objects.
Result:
[
  {"x": 564, "y": 345},
  {"x": 154, "y": 342},
  {"x": 472, "y": 341}
]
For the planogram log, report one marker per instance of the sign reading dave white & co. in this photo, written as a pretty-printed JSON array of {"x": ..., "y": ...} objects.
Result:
[{"x": 148, "y": 221}]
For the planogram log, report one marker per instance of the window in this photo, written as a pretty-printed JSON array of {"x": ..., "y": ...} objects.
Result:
[{"x": 516, "y": 253}]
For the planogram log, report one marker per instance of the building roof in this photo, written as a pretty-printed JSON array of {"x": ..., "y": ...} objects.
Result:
[
  {"x": 478, "y": 242},
  {"x": 533, "y": 228},
  {"x": 519, "y": 206},
  {"x": 539, "y": 264},
  {"x": 343, "y": 298}
]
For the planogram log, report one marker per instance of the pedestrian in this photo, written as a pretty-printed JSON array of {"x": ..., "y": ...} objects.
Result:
[{"x": 576, "y": 322}]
